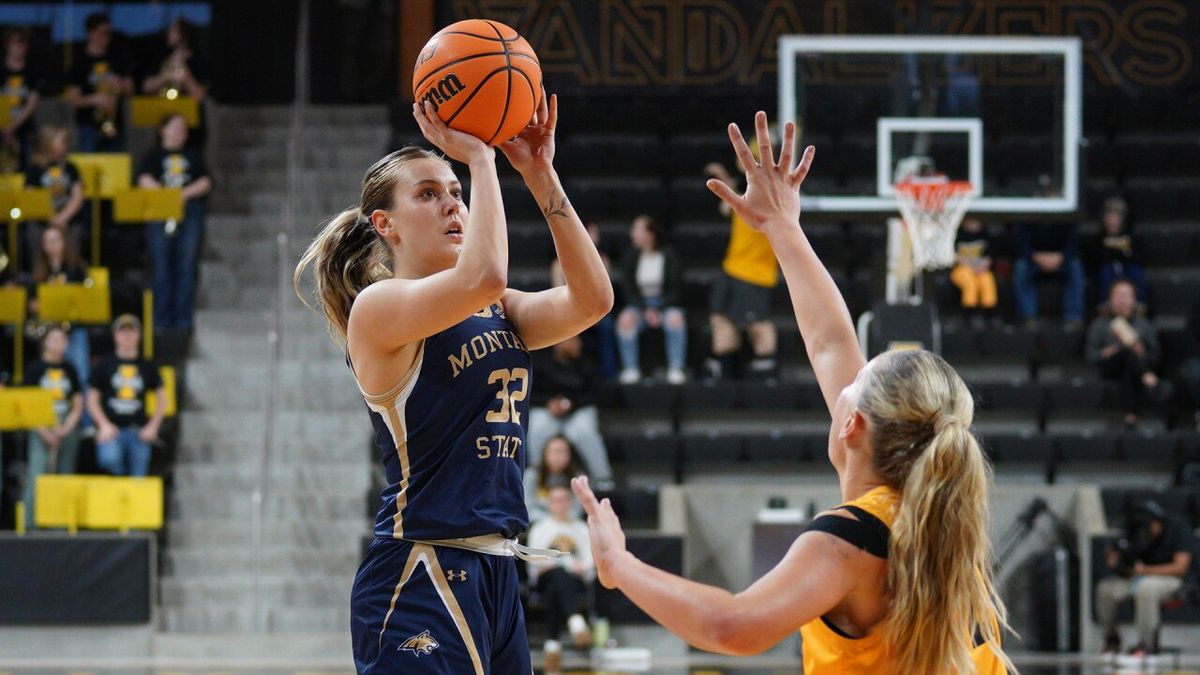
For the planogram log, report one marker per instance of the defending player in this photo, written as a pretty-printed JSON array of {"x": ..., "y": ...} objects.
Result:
[
  {"x": 897, "y": 579},
  {"x": 440, "y": 349}
]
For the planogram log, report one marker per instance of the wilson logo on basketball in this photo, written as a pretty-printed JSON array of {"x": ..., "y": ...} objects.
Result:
[
  {"x": 443, "y": 91},
  {"x": 419, "y": 644}
]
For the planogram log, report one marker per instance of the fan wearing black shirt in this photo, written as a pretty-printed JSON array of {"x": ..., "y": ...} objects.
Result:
[
  {"x": 20, "y": 85},
  {"x": 53, "y": 449},
  {"x": 50, "y": 169},
  {"x": 1150, "y": 564},
  {"x": 175, "y": 246},
  {"x": 95, "y": 85},
  {"x": 116, "y": 399}
]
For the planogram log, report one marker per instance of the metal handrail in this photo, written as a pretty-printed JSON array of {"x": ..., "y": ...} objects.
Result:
[{"x": 286, "y": 224}]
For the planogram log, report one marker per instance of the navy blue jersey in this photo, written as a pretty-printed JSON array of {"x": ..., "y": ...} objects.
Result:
[{"x": 451, "y": 434}]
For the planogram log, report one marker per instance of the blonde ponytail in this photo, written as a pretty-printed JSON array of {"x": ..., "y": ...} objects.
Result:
[
  {"x": 348, "y": 255},
  {"x": 941, "y": 591}
]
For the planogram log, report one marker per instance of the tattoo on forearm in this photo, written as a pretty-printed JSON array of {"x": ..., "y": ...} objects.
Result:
[{"x": 556, "y": 207}]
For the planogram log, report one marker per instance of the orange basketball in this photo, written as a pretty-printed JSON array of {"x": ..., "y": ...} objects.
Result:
[{"x": 482, "y": 78}]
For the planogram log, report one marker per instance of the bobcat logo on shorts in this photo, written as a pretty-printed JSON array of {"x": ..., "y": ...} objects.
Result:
[{"x": 419, "y": 644}]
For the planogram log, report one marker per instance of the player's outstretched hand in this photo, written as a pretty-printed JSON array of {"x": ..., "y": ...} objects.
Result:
[
  {"x": 604, "y": 531},
  {"x": 532, "y": 149},
  {"x": 457, "y": 145},
  {"x": 772, "y": 187}
]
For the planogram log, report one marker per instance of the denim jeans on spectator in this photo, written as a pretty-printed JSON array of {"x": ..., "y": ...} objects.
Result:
[
  {"x": 1025, "y": 278},
  {"x": 676, "y": 338},
  {"x": 125, "y": 455},
  {"x": 174, "y": 258},
  {"x": 1113, "y": 271},
  {"x": 79, "y": 354},
  {"x": 606, "y": 345},
  {"x": 91, "y": 140},
  {"x": 38, "y": 463},
  {"x": 581, "y": 427}
]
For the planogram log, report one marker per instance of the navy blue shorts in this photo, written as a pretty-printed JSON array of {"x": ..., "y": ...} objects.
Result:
[{"x": 424, "y": 609}]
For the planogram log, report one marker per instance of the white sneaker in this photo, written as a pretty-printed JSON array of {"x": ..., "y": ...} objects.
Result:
[
  {"x": 630, "y": 376},
  {"x": 676, "y": 376},
  {"x": 581, "y": 635}
]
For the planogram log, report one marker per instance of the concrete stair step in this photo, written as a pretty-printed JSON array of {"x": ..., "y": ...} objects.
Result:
[
  {"x": 223, "y": 479},
  {"x": 282, "y": 114},
  {"x": 344, "y": 534},
  {"x": 277, "y": 560},
  {"x": 335, "y": 504},
  {"x": 308, "y": 590},
  {"x": 300, "y": 428},
  {"x": 240, "y": 618}
]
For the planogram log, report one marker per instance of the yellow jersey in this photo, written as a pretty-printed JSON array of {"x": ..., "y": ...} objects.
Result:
[
  {"x": 827, "y": 650},
  {"x": 749, "y": 257}
]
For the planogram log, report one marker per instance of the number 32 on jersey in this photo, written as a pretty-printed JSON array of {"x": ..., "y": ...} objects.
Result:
[{"x": 514, "y": 387}]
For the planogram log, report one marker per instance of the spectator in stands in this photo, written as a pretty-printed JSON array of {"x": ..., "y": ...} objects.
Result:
[
  {"x": 21, "y": 83},
  {"x": 175, "y": 245},
  {"x": 95, "y": 85},
  {"x": 652, "y": 279},
  {"x": 604, "y": 332},
  {"x": 1125, "y": 348},
  {"x": 53, "y": 449},
  {"x": 1149, "y": 565},
  {"x": 117, "y": 402},
  {"x": 50, "y": 169},
  {"x": 562, "y": 405},
  {"x": 559, "y": 464},
  {"x": 741, "y": 297},
  {"x": 181, "y": 72},
  {"x": 1118, "y": 260},
  {"x": 57, "y": 262},
  {"x": 1048, "y": 250},
  {"x": 972, "y": 273},
  {"x": 562, "y": 581},
  {"x": 1189, "y": 371}
]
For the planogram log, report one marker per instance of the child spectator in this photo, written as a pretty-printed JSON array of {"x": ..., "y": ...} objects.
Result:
[
  {"x": 972, "y": 273},
  {"x": 1118, "y": 260},
  {"x": 562, "y": 582}
]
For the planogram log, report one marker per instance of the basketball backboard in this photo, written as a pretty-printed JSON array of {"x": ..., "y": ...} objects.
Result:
[{"x": 1003, "y": 113}]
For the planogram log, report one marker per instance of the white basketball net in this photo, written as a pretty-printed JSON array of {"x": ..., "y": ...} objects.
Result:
[{"x": 932, "y": 208}]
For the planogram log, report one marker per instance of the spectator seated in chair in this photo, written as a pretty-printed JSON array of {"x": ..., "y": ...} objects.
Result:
[
  {"x": 1048, "y": 250},
  {"x": 559, "y": 464},
  {"x": 53, "y": 449},
  {"x": 563, "y": 581},
  {"x": 1118, "y": 259},
  {"x": 117, "y": 401},
  {"x": 1125, "y": 348},
  {"x": 1152, "y": 563},
  {"x": 972, "y": 273},
  {"x": 652, "y": 276}
]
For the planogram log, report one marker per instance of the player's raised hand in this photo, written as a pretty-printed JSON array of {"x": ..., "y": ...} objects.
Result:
[
  {"x": 532, "y": 149},
  {"x": 457, "y": 145},
  {"x": 772, "y": 186},
  {"x": 604, "y": 530}
]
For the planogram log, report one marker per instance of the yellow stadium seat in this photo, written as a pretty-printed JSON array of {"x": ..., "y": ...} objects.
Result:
[
  {"x": 99, "y": 502},
  {"x": 168, "y": 379}
]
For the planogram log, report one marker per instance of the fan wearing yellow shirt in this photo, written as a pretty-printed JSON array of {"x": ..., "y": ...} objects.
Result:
[{"x": 741, "y": 297}]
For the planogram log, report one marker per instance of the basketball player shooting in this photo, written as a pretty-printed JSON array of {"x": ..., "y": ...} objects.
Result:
[{"x": 898, "y": 578}]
